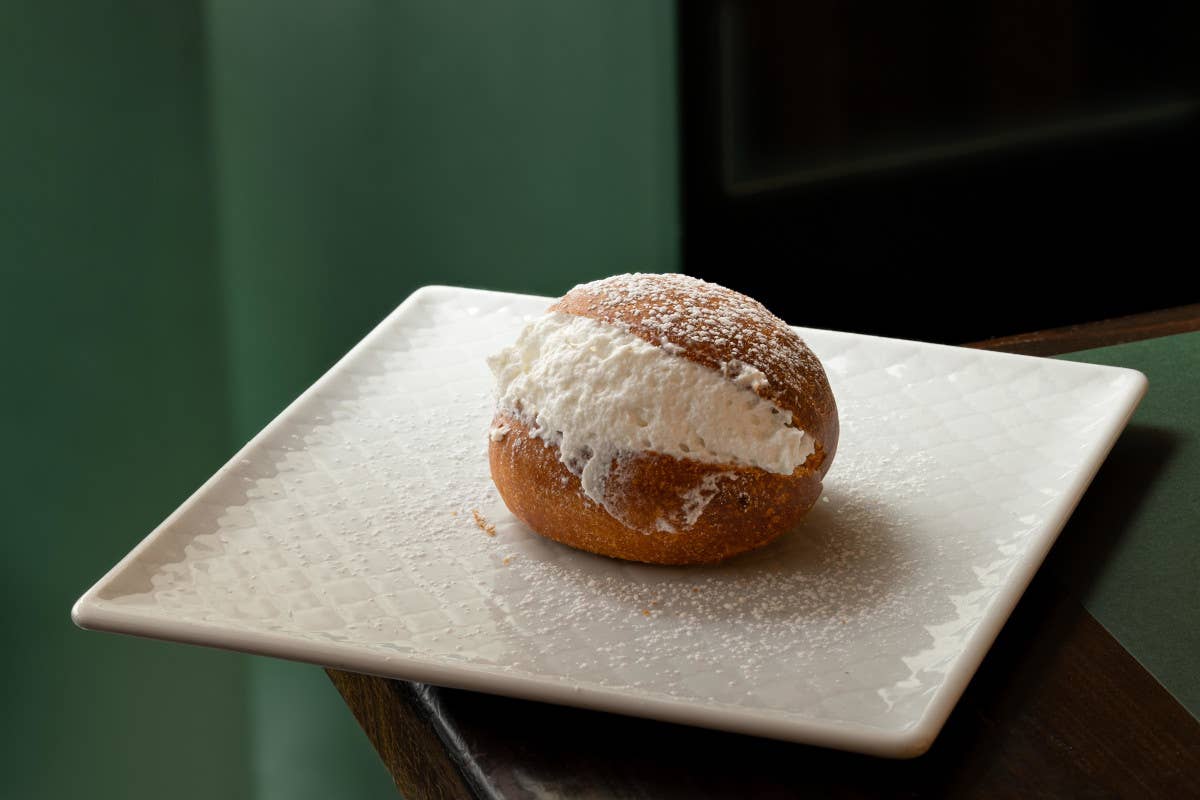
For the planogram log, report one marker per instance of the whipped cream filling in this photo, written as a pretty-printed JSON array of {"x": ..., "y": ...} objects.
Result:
[{"x": 597, "y": 392}]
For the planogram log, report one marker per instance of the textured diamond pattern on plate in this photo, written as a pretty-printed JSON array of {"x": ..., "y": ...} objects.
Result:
[{"x": 353, "y": 521}]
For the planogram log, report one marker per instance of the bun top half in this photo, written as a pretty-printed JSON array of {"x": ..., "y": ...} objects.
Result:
[{"x": 725, "y": 331}]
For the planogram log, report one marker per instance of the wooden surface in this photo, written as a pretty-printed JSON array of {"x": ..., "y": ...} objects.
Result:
[
  {"x": 1058, "y": 708},
  {"x": 1099, "y": 334},
  {"x": 406, "y": 741}
]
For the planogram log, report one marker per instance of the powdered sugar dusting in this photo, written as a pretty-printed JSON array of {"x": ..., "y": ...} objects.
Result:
[
  {"x": 706, "y": 320},
  {"x": 787, "y": 613},
  {"x": 696, "y": 499}
]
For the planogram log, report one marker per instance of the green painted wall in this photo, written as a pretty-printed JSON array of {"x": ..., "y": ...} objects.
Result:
[
  {"x": 115, "y": 402},
  {"x": 202, "y": 205},
  {"x": 369, "y": 147}
]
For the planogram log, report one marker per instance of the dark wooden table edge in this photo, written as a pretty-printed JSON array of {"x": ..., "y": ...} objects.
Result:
[
  {"x": 1090, "y": 335},
  {"x": 413, "y": 745},
  {"x": 419, "y": 750}
]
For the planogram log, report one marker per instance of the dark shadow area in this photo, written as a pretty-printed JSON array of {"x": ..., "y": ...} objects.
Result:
[
  {"x": 936, "y": 173},
  {"x": 833, "y": 554},
  {"x": 1138, "y": 459}
]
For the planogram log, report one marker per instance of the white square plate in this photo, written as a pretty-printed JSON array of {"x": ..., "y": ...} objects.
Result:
[{"x": 346, "y": 534}]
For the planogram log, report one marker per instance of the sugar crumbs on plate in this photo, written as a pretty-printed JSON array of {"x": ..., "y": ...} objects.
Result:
[{"x": 483, "y": 524}]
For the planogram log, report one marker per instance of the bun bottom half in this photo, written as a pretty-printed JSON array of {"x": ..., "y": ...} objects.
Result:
[{"x": 742, "y": 507}]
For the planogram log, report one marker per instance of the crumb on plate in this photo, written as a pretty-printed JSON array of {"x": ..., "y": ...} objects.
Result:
[{"x": 483, "y": 524}]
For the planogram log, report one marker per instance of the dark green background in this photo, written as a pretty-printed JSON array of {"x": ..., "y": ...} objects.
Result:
[{"x": 203, "y": 205}]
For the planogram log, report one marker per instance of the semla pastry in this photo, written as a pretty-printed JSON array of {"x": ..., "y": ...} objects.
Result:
[{"x": 660, "y": 418}]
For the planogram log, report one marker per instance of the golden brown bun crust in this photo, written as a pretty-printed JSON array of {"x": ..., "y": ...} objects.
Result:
[
  {"x": 714, "y": 326},
  {"x": 748, "y": 508},
  {"x": 656, "y": 500}
]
